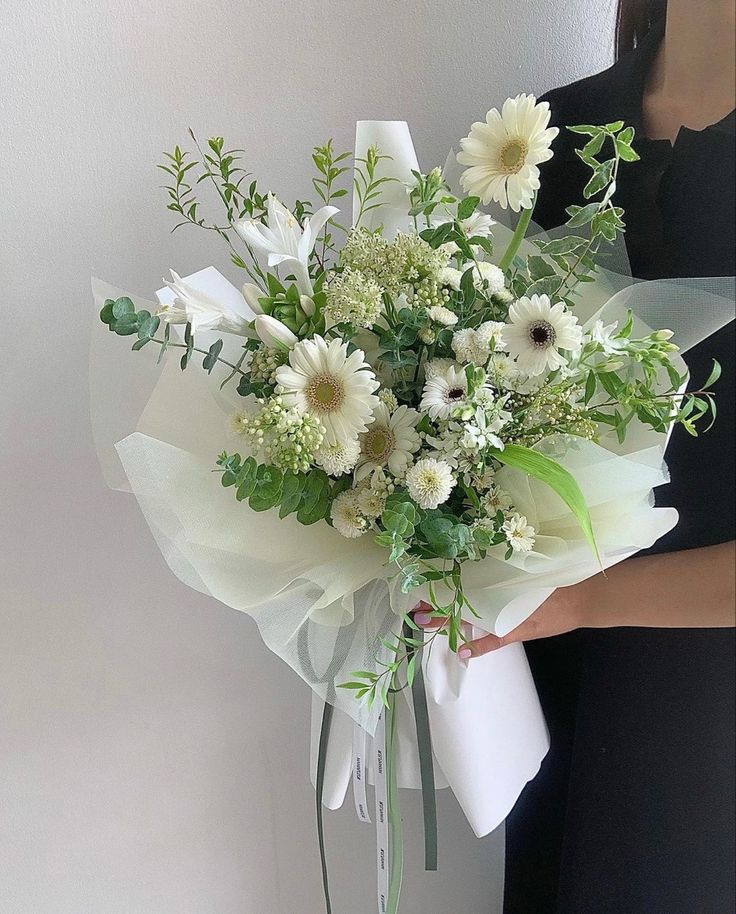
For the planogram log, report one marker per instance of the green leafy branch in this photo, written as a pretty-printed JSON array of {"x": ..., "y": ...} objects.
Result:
[
  {"x": 367, "y": 184},
  {"x": 565, "y": 262},
  {"x": 121, "y": 318},
  {"x": 330, "y": 171}
]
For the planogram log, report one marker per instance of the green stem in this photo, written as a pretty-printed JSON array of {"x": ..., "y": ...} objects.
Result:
[{"x": 518, "y": 236}]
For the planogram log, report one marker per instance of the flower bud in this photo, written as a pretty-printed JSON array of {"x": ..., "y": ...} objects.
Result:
[
  {"x": 307, "y": 305},
  {"x": 664, "y": 335},
  {"x": 273, "y": 333},
  {"x": 251, "y": 294}
]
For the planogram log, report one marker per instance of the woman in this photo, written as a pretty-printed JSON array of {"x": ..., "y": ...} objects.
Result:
[{"x": 633, "y": 811}]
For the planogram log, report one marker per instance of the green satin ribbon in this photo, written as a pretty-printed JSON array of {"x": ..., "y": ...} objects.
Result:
[
  {"x": 394, "y": 814},
  {"x": 324, "y": 736},
  {"x": 426, "y": 766}
]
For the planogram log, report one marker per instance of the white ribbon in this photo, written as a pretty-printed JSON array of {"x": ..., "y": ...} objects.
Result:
[
  {"x": 360, "y": 772},
  {"x": 382, "y": 849}
]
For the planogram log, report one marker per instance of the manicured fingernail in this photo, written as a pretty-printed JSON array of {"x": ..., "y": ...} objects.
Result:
[
  {"x": 464, "y": 653},
  {"x": 422, "y": 618}
]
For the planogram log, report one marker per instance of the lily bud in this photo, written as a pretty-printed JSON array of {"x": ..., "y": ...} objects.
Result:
[
  {"x": 251, "y": 294},
  {"x": 273, "y": 333},
  {"x": 307, "y": 305}
]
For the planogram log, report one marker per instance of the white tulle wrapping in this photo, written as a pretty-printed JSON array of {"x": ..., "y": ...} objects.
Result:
[{"x": 323, "y": 602}]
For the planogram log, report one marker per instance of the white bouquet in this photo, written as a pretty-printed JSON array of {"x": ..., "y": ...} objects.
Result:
[{"x": 426, "y": 406}]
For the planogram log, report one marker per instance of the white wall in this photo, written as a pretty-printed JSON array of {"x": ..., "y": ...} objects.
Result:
[{"x": 151, "y": 750}]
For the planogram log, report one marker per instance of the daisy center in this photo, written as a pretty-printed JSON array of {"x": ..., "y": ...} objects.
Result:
[
  {"x": 325, "y": 393},
  {"x": 513, "y": 155},
  {"x": 378, "y": 443},
  {"x": 455, "y": 393},
  {"x": 542, "y": 334}
]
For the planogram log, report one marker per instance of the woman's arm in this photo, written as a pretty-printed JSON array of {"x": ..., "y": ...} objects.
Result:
[{"x": 695, "y": 588}]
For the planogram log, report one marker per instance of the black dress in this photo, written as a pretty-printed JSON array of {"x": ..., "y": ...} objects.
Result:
[{"x": 633, "y": 811}]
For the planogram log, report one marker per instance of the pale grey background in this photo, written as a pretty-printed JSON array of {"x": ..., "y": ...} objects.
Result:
[{"x": 152, "y": 752}]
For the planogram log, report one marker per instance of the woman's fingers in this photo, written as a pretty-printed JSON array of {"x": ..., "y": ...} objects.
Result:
[{"x": 423, "y": 616}]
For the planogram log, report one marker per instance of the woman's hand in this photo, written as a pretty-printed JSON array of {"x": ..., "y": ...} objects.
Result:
[
  {"x": 691, "y": 589},
  {"x": 558, "y": 614}
]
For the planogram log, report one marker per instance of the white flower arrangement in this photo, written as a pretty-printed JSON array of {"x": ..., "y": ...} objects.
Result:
[
  {"x": 403, "y": 386},
  {"x": 388, "y": 378}
]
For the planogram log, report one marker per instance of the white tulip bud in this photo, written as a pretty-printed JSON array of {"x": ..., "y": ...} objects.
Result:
[
  {"x": 273, "y": 333},
  {"x": 251, "y": 293}
]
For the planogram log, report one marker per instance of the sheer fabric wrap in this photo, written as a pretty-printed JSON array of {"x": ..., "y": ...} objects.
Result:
[{"x": 323, "y": 603}]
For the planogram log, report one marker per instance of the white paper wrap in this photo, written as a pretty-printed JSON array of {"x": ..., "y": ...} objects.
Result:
[{"x": 323, "y": 602}]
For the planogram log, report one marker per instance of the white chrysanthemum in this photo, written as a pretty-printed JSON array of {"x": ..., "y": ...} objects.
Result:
[
  {"x": 430, "y": 482},
  {"x": 444, "y": 391},
  {"x": 519, "y": 533},
  {"x": 388, "y": 398},
  {"x": 347, "y": 518},
  {"x": 537, "y": 331},
  {"x": 390, "y": 441},
  {"x": 338, "y": 389},
  {"x": 441, "y": 315},
  {"x": 449, "y": 276},
  {"x": 463, "y": 344},
  {"x": 502, "y": 153},
  {"x": 338, "y": 457},
  {"x": 489, "y": 337},
  {"x": 436, "y": 366},
  {"x": 493, "y": 275}
]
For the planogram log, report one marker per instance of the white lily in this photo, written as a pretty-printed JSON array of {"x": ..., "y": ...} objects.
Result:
[
  {"x": 203, "y": 311},
  {"x": 273, "y": 333},
  {"x": 284, "y": 241}
]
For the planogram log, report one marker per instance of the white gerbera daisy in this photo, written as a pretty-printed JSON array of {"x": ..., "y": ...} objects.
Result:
[
  {"x": 502, "y": 153},
  {"x": 519, "y": 533},
  {"x": 338, "y": 457},
  {"x": 442, "y": 316},
  {"x": 537, "y": 331},
  {"x": 430, "y": 482},
  {"x": 338, "y": 389},
  {"x": 390, "y": 441},
  {"x": 347, "y": 518},
  {"x": 444, "y": 391}
]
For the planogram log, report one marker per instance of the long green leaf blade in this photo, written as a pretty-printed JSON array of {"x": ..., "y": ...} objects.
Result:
[{"x": 557, "y": 477}]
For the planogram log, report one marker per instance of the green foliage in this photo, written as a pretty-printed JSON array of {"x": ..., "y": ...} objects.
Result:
[
  {"x": 557, "y": 477},
  {"x": 367, "y": 183}
]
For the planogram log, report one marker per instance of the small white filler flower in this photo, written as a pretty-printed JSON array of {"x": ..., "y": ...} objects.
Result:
[
  {"x": 502, "y": 153},
  {"x": 519, "y": 533}
]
